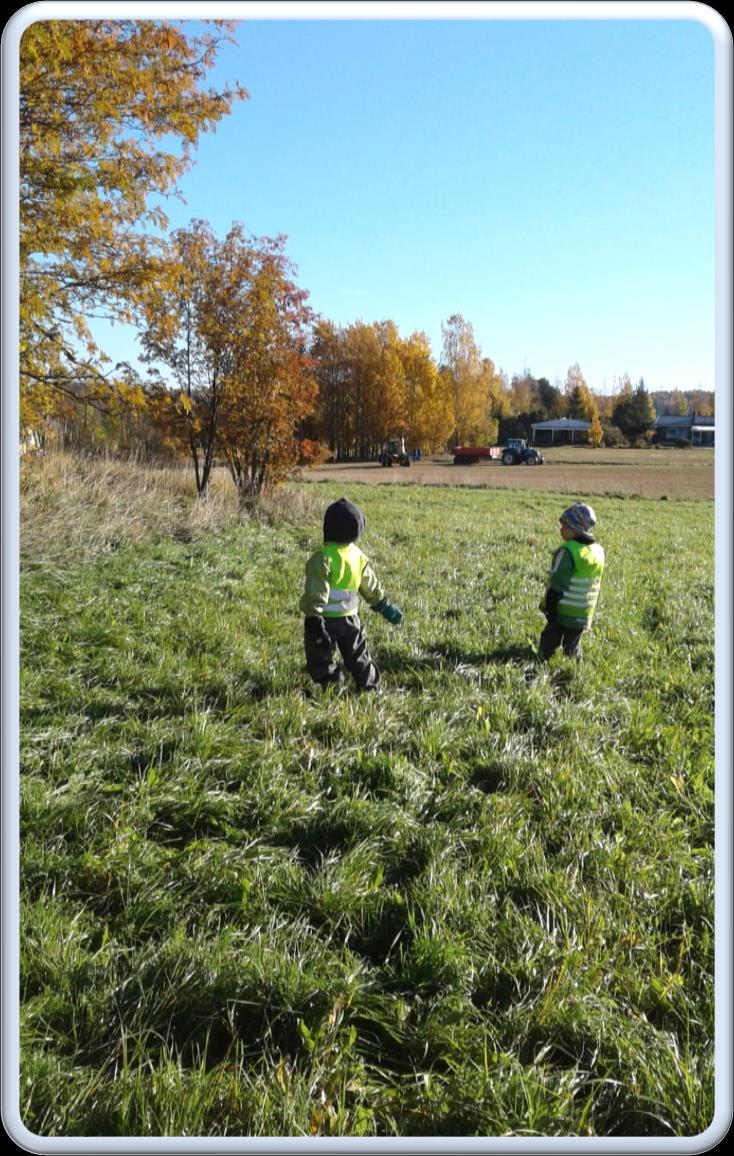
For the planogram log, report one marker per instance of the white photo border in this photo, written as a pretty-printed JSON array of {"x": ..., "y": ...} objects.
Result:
[{"x": 724, "y": 564}]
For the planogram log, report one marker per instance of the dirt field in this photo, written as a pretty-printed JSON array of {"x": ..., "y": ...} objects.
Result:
[{"x": 669, "y": 473}]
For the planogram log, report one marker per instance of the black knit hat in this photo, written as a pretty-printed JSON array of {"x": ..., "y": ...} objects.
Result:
[{"x": 343, "y": 522}]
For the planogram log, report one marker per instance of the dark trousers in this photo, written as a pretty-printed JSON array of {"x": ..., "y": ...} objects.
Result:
[
  {"x": 555, "y": 635},
  {"x": 346, "y": 634}
]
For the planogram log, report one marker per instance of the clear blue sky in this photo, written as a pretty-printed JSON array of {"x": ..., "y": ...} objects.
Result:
[{"x": 553, "y": 181}]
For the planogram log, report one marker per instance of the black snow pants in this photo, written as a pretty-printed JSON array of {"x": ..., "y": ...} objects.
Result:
[
  {"x": 348, "y": 635},
  {"x": 555, "y": 635}
]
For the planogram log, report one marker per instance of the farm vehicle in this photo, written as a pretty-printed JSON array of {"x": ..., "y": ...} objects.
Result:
[
  {"x": 468, "y": 455},
  {"x": 393, "y": 453},
  {"x": 516, "y": 451}
]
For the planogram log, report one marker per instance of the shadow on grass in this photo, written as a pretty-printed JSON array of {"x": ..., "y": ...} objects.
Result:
[
  {"x": 173, "y": 700},
  {"x": 517, "y": 655},
  {"x": 489, "y": 778},
  {"x": 446, "y": 654}
]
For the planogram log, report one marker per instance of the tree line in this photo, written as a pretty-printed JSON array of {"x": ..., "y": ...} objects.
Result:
[{"x": 239, "y": 368}]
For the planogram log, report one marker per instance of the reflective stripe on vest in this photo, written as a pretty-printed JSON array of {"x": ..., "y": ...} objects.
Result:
[
  {"x": 577, "y": 604},
  {"x": 341, "y": 602},
  {"x": 346, "y": 564}
]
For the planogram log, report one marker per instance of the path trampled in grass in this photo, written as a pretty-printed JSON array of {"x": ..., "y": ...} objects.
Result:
[{"x": 478, "y": 904}]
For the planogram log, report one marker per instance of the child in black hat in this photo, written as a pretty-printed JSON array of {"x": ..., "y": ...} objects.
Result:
[{"x": 336, "y": 575}]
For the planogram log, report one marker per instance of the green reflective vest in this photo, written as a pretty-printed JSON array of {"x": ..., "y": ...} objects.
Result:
[
  {"x": 577, "y": 603},
  {"x": 346, "y": 564}
]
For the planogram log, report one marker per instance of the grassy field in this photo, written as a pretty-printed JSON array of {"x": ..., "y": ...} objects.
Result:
[{"x": 479, "y": 904}]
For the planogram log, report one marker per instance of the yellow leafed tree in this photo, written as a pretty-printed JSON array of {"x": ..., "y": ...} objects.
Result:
[
  {"x": 461, "y": 367},
  {"x": 110, "y": 111},
  {"x": 429, "y": 410},
  {"x": 374, "y": 385},
  {"x": 387, "y": 409},
  {"x": 581, "y": 402}
]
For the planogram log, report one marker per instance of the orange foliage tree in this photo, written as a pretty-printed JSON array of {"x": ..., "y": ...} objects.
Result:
[
  {"x": 231, "y": 328},
  {"x": 103, "y": 104}
]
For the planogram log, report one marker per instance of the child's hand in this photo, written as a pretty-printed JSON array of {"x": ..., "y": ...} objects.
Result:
[{"x": 391, "y": 613}]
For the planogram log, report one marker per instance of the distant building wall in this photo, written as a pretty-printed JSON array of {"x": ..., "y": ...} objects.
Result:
[
  {"x": 561, "y": 432},
  {"x": 699, "y": 431}
]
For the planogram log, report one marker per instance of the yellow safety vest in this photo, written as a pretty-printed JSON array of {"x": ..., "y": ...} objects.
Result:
[
  {"x": 577, "y": 604},
  {"x": 346, "y": 564}
]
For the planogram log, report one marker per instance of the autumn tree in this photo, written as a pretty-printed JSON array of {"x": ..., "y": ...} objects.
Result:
[
  {"x": 678, "y": 404},
  {"x": 229, "y": 326},
  {"x": 581, "y": 404},
  {"x": 110, "y": 111},
  {"x": 429, "y": 412},
  {"x": 605, "y": 405},
  {"x": 385, "y": 404},
  {"x": 596, "y": 433},
  {"x": 344, "y": 360},
  {"x": 551, "y": 398},
  {"x": 375, "y": 384},
  {"x": 702, "y": 402},
  {"x": 530, "y": 399},
  {"x": 523, "y": 394},
  {"x": 270, "y": 389},
  {"x": 493, "y": 386},
  {"x": 362, "y": 356},
  {"x": 179, "y": 334},
  {"x": 634, "y": 412},
  {"x": 623, "y": 389},
  {"x": 462, "y": 369},
  {"x": 330, "y": 373}
]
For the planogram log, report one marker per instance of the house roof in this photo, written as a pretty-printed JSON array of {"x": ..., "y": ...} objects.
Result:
[
  {"x": 562, "y": 423},
  {"x": 685, "y": 419}
]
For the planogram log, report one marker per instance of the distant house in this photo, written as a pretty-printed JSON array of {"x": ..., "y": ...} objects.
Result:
[
  {"x": 692, "y": 427},
  {"x": 561, "y": 431},
  {"x": 703, "y": 435}
]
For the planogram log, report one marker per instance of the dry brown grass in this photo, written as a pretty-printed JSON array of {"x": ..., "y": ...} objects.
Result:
[
  {"x": 80, "y": 507},
  {"x": 574, "y": 470}
]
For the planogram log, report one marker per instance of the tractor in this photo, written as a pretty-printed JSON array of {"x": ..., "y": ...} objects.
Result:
[
  {"x": 517, "y": 452},
  {"x": 393, "y": 453}
]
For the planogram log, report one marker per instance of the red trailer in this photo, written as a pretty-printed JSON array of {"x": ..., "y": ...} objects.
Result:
[{"x": 468, "y": 455}]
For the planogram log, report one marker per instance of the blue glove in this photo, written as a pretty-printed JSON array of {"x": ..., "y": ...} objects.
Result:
[{"x": 388, "y": 611}]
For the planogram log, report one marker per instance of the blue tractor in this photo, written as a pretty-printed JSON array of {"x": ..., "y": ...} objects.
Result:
[{"x": 517, "y": 452}]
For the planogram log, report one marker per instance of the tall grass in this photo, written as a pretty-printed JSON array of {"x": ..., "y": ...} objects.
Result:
[
  {"x": 477, "y": 904},
  {"x": 75, "y": 506}
]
